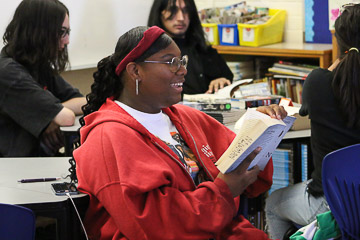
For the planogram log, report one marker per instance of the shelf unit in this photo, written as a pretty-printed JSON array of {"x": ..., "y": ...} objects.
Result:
[{"x": 321, "y": 52}]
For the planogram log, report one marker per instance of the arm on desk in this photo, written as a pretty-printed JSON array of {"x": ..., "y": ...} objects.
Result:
[
  {"x": 65, "y": 117},
  {"x": 51, "y": 137},
  {"x": 75, "y": 105}
]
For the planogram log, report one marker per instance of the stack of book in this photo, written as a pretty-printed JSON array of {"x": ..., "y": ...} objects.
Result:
[
  {"x": 253, "y": 95},
  {"x": 254, "y": 101},
  {"x": 283, "y": 168},
  {"x": 242, "y": 70},
  {"x": 221, "y": 111},
  {"x": 291, "y": 69},
  {"x": 227, "y": 117}
]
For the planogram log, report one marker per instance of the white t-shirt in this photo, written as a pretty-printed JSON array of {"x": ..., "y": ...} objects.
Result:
[{"x": 158, "y": 124}]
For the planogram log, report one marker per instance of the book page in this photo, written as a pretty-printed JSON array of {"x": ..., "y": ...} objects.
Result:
[
  {"x": 256, "y": 130},
  {"x": 226, "y": 91},
  {"x": 221, "y": 94},
  {"x": 265, "y": 141}
]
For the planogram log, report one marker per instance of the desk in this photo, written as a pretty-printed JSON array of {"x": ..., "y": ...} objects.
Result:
[
  {"x": 306, "y": 133},
  {"x": 322, "y": 52},
  {"x": 39, "y": 196}
]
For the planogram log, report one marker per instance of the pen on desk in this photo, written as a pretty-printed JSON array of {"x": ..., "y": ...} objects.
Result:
[{"x": 29, "y": 180}]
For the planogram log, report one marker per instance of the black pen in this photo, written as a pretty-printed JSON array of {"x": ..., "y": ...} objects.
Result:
[{"x": 29, "y": 180}]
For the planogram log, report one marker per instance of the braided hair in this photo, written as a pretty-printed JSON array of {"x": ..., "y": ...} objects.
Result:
[{"x": 106, "y": 82}]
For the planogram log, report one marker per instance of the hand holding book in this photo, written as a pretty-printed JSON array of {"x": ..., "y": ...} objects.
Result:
[
  {"x": 239, "y": 179},
  {"x": 256, "y": 129}
]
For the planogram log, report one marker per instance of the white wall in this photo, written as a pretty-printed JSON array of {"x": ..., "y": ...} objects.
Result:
[
  {"x": 294, "y": 26},
  {"x": 95, "y": 25}
]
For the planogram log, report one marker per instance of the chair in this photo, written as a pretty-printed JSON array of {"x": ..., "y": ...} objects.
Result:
[
  {"x": 16, "y": 222},
  {"x": 341, "y": 184}
]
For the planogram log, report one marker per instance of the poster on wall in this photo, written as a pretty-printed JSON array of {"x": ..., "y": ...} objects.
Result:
[
  {"x": 334, "y": 10},
  {"x": 316, "y": 22}
]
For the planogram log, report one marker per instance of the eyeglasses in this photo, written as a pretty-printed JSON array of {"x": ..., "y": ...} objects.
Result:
[
  {"x": 64, "y": 31},
  {"x": 343, "y": 7},
  {"x": 175, "y": 63}
]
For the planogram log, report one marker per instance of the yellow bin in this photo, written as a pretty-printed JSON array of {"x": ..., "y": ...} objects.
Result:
[
  {"x": 267, "y": 33},
  {"x": 211, "y": 33}
]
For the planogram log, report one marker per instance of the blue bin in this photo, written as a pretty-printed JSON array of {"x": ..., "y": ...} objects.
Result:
[{"x": 229, "y": 34}]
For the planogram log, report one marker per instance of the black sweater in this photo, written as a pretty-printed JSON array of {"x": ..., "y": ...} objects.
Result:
[{"x": 203, "y": 67}]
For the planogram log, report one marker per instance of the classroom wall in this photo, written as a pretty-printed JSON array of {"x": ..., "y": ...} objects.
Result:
[
  {"x": 96, "y": 26},
  {"x": 294, "y": 25}
]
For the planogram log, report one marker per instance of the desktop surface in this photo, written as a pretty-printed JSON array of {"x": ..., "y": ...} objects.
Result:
[{"x": 14, "y": 169}]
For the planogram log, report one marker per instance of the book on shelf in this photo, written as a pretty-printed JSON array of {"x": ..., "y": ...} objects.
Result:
[
  {"x": 287, "y": 86},
  {"x": 285, "y": 71},
  {"x": 255, "y": 129},
  {"x": 283, "y": 175},
  {"x": 288, "y": 76},
  {"x": 295, "y": 67},
  {"x": 255, "y": 101},
  {"x": 304, "y": 162},
  {"x": 259, "y": 88}
]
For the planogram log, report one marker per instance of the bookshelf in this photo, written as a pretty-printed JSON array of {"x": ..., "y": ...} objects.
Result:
[{"x": 320, "y": 52}]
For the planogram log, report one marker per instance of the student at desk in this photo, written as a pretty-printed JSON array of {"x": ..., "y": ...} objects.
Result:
[
  {"x": 34, "y": 99},
  {"x": 207, "y": 70},
  {"x": 331, "y": 99},
  {"x": 147, "y": 163}
]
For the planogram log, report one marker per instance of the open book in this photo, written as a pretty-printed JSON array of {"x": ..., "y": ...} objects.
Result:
[
  {"x": 222, "y": 94},
  {"x": 256, "y": 129}
]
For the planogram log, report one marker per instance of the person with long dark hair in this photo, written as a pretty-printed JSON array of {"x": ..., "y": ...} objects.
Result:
[
  {"x": 147, "y": 163},
  {"x": 331, "y": 99},
  {"x": 207, "y": 70},
  {"x": 34, "y": 99}
]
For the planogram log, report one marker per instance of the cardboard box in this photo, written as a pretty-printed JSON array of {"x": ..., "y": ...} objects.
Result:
[{"x": 300, "y": 123}]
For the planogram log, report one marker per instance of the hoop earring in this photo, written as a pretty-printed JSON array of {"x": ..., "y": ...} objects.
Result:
[{"x": 137, "y": 86}]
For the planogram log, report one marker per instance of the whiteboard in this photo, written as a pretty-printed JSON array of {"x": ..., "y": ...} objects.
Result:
[{"x": 95, "y": 26}]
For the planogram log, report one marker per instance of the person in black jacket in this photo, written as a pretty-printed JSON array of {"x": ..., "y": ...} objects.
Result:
[
  {"x": 34, "y": 99},
  {"x": 207, "y": 70}
]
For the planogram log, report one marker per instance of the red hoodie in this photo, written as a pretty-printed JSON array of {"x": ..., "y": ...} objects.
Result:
[{"x": 139, "y": 189}]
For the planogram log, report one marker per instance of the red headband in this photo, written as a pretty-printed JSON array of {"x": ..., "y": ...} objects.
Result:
[{"x": 150, "y": 36}]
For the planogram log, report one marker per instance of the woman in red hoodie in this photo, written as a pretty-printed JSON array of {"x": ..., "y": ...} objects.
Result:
[{"x": 148, "y": 164}]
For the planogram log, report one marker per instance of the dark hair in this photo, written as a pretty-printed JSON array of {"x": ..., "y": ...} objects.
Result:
[
  {"x": 33, "y": 35},
  {"x": 106, "y": 82},
  {"x": 346, "y": 82},
  {"x": 194, "y": 33}
]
